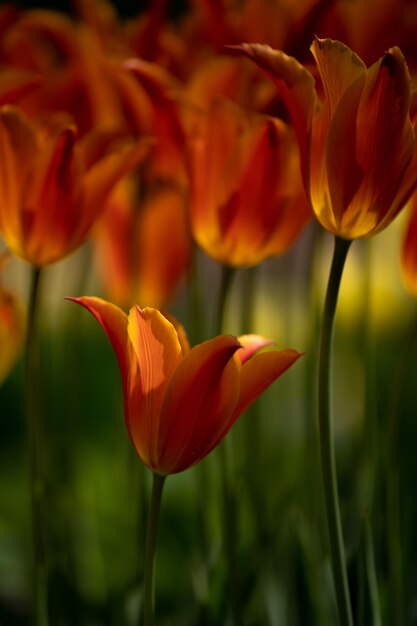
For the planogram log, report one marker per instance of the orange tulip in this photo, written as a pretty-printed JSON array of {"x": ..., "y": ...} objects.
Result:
[
  {"x": 180, "y": 403},
  {"x": 356, "y": 140},
  {"x": 53, "y": 187},
  {"x": 153, "y": 106},
  {"x": 246, "y": 202},
  {"x": 144, "y": 254}
]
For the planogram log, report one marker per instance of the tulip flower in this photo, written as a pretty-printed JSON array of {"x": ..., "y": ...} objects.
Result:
[
  {"x": 246, "y": 200},
  {"x": 143, "y": 255},
  {"x": 179, "y": 402},
  {"x": 357, "y": 143},
  {"x": 52, "y": 187},
  {"x": 152, "y": 103}
]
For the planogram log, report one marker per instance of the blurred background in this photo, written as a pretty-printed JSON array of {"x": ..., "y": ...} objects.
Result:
[{"x": 97, "y": 490}]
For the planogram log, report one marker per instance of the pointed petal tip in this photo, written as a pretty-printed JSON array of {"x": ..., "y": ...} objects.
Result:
[
  {"x": 295, "y": 354},
  {"x": 76, "y": 299},
  {"x": 250, "y": 344},
  {"x": 250, "y": 50},
  {"x": 86, "y": 301}
]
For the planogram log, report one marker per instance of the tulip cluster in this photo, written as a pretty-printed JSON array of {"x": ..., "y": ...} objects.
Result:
[{"x": 148, "y": 161}]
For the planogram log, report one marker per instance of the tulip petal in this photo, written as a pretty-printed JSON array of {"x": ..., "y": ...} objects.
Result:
[
  {"x": 212, "y": 148},
  {"x": 161, "y": 89},
  {"x": 296, "y": 86},
  {"x": 250, "y": 345},
  {"x": 114, "y": 323},
  {"x": 390, "y": 143},
  {"x": 256, "y": 375},
  {"x": 103, "y": 176},
  {"x": 343, "y": 172},
  {"x": 158, "y": 351},
  {"x": 248, "y": 217},
  {"x": 18, "y": 149},
  {"x": 16, "y": 84},
  {"x": 339, "y": 67},
  {"x": 259, "y": 372},
  {"x": 164, "y": 244},
  {"x": 54, "y": 188},
  {"x": 199, "y": 399},
  {"x": 180, "y": 330},
  {"x": 384, "y": 146},
  {"x": 343, "y": 75}
]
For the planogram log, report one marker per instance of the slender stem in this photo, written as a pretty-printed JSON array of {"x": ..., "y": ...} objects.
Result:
[
  {"x": 194, "y": 301},
  {"x": 150, "y": 549},
  {"x": 392, "y": 479},
  {"x": 371, "y": 572},
  {"x": 230, "y": 534},
  {"x": 327, "y": 453},
  {"x": 34, "y": 434},
  {"x": 227, "y": 275},
  {"x": 253, "y": 426},
  {"x": 228, "y": 495},
  {"x": 250, "y": 279}
]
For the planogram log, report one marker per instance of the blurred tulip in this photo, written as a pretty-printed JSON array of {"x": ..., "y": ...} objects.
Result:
[
  {"x": 356, "y": 140},
  {"x": 246, "y": 202},
  {"x": 53, "y": 187},
  {"x": 370, "y": 26},
  {"x": 15, "y": 84},
  {"x": 74, "y": 63},
  {"x": 11, "y": 328},
  {"x": 156, "y": 96},
  {"x": 180, "y": 403},
  {"x": 144, "y": 251}
]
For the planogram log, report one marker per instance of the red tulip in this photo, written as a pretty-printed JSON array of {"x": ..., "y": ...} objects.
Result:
[
  {"x": 52, "y": 186},
  {"x": 181, "y": 402},
  {"x": 357, "y": 142},
  {"x": 246, "y": 201},
  {"x": 144, "y": 254}
]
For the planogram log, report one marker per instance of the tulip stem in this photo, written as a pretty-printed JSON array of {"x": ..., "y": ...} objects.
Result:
[
  {"x": 392, "y": 479},
  {"x": 327, "y": 452},
  {"x": 34, "y": 435},
  {"x": 229, "y": 534},
  {"x": 150, "y": 549},
  {"x": 371, "y": 572},
  {"x": 227, "y": 275},
  {"x": 228, "y": 495}
]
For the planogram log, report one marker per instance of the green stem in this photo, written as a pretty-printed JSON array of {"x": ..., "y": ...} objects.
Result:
[
  {"x": 253, "y": 427},
  {"x": 230, "y": 534},
  {"x": 34, "y": 434},
  {"x": 228, "y": 495},
  {"x": 150, "y": 549},
  {"x": 227, "y": 275},
  {"x": 327, "y": 453},
  {"x": 371, "y": 572},
  {"x": 392, "y": 480},
  {"x": 250, "y": 278},
  {"x": 194, "y": 301}
]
